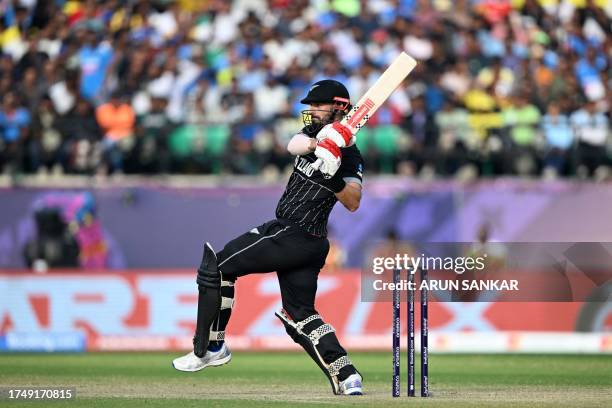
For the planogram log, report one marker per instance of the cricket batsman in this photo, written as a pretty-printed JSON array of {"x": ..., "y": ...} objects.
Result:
[{"x": 294, "y": 245}]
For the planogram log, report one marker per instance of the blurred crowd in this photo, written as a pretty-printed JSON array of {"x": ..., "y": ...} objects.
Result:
[{"x": 212, "y": 86}]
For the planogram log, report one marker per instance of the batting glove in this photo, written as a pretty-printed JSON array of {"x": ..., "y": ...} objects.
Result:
[
  {"x": 340, "y": 134},
  {"x": 329, "y": 153}
]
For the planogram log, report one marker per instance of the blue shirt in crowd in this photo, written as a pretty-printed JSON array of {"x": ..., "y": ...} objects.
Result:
[
  {"x": 11, "y": 124},
  {"x": 558, "y": 131},
  {"x": 94, "y": 62}
]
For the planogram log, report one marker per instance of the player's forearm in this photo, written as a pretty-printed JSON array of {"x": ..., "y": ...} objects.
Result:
[
  {"x": 350, "y": 196},
  {"x": 301, "y": 144}
]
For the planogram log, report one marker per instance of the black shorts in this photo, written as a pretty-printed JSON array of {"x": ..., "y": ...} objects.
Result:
[{"x": 277, "y": 246}]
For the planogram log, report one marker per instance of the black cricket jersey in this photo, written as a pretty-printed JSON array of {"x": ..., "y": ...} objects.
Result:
[{"x": 308, "y": 198}]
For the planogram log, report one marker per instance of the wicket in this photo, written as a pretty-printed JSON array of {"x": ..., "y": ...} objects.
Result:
[
  {"x": 396, "y": 336},
  {"x": 410, "y": 337},
  {"x": 424, "y": 337},
  {"x": 410, "y": 306}
]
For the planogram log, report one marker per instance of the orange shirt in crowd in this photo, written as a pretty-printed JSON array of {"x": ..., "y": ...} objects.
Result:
[{"x": 117, "y": 121}]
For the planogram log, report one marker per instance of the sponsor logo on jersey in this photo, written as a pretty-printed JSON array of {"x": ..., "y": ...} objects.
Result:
[{"x": 304, "y": 166}]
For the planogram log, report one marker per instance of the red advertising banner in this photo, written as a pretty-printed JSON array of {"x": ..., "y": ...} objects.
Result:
[{"x": 156, "y": 310}]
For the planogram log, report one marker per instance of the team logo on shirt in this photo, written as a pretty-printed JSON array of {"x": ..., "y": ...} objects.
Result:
[{"x": 304, "y": 166}]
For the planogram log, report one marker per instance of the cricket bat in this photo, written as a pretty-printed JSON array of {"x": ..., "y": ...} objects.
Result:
[{"x": 376, "y": 95}]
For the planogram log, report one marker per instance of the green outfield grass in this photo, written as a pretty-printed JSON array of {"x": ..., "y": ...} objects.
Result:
[{"x": 293, "y": 380}]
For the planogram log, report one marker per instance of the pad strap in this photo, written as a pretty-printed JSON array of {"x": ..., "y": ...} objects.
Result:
[
  {"x": 226, "y": 303},
  {"x": 336, "y": 366},
  {"x": 307, "y": 320},
  {"x": 217, "y": 335},
  {"x": 319, "y": 332}
]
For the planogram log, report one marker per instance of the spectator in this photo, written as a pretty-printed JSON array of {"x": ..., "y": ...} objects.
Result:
[
  {"x": 117, "y": 120},
  {"x": 65, "y": 93},
  {"x": 32, "y": 58},
  {"x": 82, "y": 136},
  {"x": 457, "y": 79},
  {"x": 592, "y": 131},
  {"x": 455, "y": 137},
  {"x": 151, "y": 146},
  {"x": 496, "y": 79},
  {"x": 388, "y": 247},
  {"x": 94, "y": 59},
  {"x": 336, "y": 257},
  {"x": 270, "y": 99},
  {"x": 210, "y": 62},
  {"x": 46, "y": 143},
  {"x": 423, "y": 135},
  {"x": 244, "y": 134},
  {"x": 559, "y": 139},
  {"x": 521, "y": 119},
  {"x": 417, "y": 44},
  {"x": 588, "y": 72},
  {"x": 15, "y": 120},
  {"x": 31, "y": 88}
]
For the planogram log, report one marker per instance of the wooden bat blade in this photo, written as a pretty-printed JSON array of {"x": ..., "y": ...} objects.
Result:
[{"x": 379, "y": 92}]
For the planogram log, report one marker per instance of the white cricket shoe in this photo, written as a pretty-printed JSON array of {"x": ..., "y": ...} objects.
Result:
[
  {"x": 191, "y": 362},
  {"x": 352, "y": 385}
]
